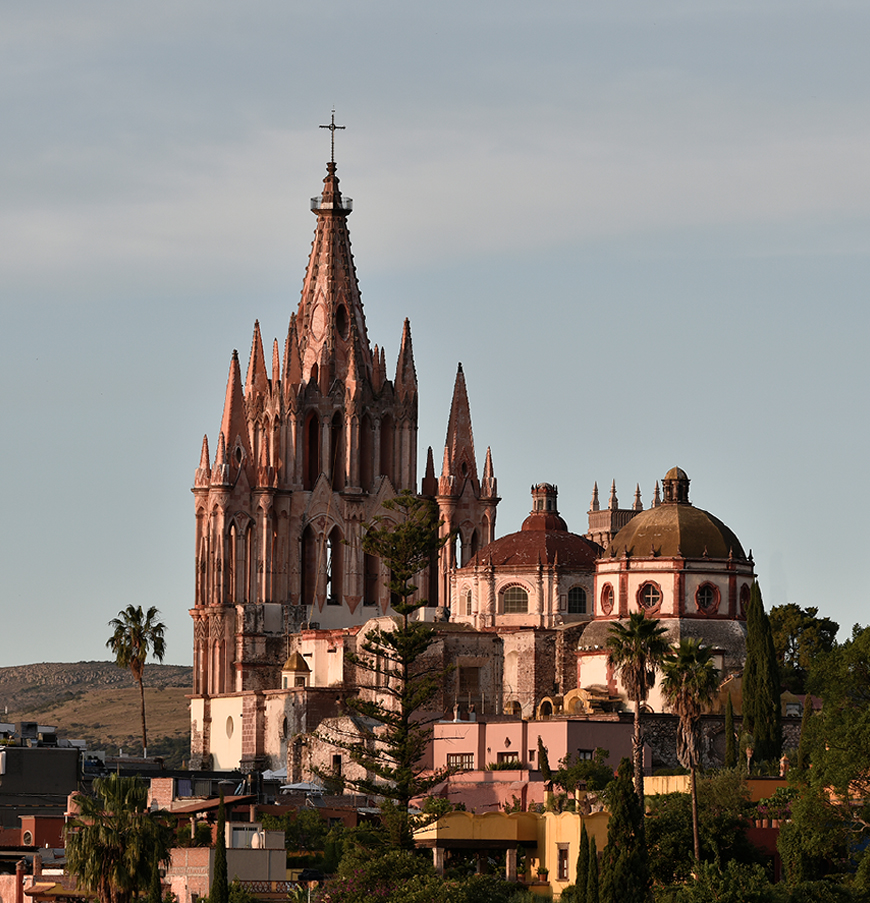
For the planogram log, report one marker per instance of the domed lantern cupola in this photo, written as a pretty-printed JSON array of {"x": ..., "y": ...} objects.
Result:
[
  {"x": 545, "y": 512},
  {"x": 676, "y": 487}
]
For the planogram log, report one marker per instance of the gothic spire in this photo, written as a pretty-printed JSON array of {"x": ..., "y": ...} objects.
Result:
[
  {"x": 459, "y": 446},
  {"x": 613, "y": 502},
  {"x": 595, "y": 505},
  {"x": 234, "y": 423},
  {"x": 489, "y": 485},
  {"x": 257, "y": 381},
  {"x": 292, "y": 361},
  {"x": 429, "y": 486},
  {"x": 203, "y": 472},
  {"x": 331, "y": 298},
  {"x": 406, "y": 374}
]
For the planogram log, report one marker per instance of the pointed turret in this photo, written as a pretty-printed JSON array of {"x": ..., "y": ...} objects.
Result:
[
  {"x": 459, "y": 458},
  {"x": 276, "y": 363},
  {"x": 489, "y": 484},
  {"x": 220, "y": 474},
  {"x": 203, "y": 472},
  {"x": 637, "y": 505},
  {"x": 234, "y": 424},
  {"x": 613, "y": 502},
  {"x": 595, "y": 505},
  {"x": 331, "y": 299},
  {"x": 430, "y": 483},
  {"x": 657, "y": 498},
  {"x": 406, "y": 374},
  {"x": 257, "y": 381}
]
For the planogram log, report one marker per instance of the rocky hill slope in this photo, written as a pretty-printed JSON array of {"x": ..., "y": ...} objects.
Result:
[{"x": 99, "y": 702}]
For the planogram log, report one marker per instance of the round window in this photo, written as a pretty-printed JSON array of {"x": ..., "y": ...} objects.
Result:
[
  {"x": 650, "y": 596},
  {"x": 707, "y": 598},
  {"x": 607, "y": 598}
]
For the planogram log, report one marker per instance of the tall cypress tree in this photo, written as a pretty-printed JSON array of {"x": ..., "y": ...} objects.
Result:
[
  {"x": 582, "y": 878},
  {"x": 592, "y": 894},
  {"x": 625, "y": 864},
  {"x": 762, "y": 715},
  {"x": 730, "y": 744},
  {"x": 220, "y": 886}
]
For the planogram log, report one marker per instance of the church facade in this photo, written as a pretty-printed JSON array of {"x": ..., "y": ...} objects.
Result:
[{"x": 311, "y": 442}]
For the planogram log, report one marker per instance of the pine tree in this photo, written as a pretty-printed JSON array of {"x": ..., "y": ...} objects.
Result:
[
  {"x": 405, "y": 684},
  {"x": 762, "y": 715},
  {"x": 220, "y": 886},
  {"x": 625, "y": 864},
  {"x": 592, "y": 893},
  {"x": 582, "y": 879},
  {"x": 730, "y": 740}
]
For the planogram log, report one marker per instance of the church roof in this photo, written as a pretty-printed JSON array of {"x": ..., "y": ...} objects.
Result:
[
  {"x": 296, "y": 663},
  {"x": 676, "y": 531},
  {"x": 543, "y": 539}
]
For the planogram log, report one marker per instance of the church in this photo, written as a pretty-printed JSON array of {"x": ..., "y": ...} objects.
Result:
[{"x": 311, "y": 442}]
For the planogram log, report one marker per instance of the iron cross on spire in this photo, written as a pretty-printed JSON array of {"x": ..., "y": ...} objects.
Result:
[{"x": 332, "y": 127}]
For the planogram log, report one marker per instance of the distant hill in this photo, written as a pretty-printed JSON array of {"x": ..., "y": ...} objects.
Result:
[{"x": 99, "y": 702}]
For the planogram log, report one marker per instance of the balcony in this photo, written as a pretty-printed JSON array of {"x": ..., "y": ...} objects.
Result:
[{"x": 318, "y": 204}]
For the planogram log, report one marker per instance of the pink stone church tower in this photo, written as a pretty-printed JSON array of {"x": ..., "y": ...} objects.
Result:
[{"x": 310, "y": 445}]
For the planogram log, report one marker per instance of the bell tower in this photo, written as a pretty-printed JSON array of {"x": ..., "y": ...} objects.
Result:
[{"x": 308, "y": 448}]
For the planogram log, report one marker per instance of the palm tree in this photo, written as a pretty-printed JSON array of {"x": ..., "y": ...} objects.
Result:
[
  {"x": 635, "y": 650},
  {"x": 113, "y": 843},
  {"x": 136, "y": 635},
  {"x": 689, "y": 685}
]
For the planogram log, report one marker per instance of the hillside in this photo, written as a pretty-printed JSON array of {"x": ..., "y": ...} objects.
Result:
[{"x": 98, "y": 702}]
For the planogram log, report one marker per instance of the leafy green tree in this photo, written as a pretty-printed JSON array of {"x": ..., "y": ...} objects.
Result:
[
  {"x": 733, "y": 883},
  {"x": 723, "y": 807},
  {"x": 405, "y": 683},
  {"x": 762, "y": 712},
  {"x": 803, "y": 756},
  {"x": 830, "y": 820},
  {"x": 114, "y": 841},
  {"x": 799, "y": 636},
  {"x": 625, "y": 864},
  {"x": 636, "y": 649},
  {"x": 595, "y": 773},
  {"x": 220, "y": 889},
  {"x": 730, "y": 738},
  {"x": 136, "y": 634},
  {"x": 689, "y": 686}
]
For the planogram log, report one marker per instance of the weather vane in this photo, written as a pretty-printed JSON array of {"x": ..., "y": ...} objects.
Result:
[{"x": 332, "y": 127}]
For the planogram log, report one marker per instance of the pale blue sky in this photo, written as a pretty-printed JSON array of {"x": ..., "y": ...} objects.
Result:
[{"x": 643, "y": 228}]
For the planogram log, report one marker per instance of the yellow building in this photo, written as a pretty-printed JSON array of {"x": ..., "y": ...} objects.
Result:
[{"x": 551, "y": 841}]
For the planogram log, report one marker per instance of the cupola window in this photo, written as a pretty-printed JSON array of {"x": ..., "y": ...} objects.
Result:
[
  {"x": 516, "y": 601},
  {"x": 650, "y": 596},
  {"x": 707, "y": 598}
]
